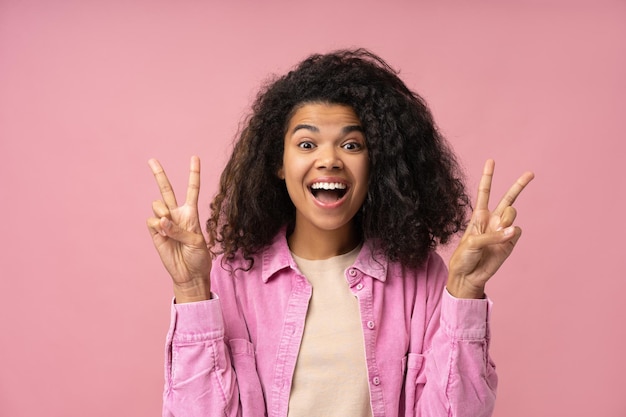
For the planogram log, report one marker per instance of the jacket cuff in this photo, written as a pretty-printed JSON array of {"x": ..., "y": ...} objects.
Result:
[
  {"x": 197, "y": 321},
  {"x": 465, "y": 319}
]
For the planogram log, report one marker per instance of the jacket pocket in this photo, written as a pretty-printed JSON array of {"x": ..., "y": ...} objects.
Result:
[{"x": 414, "y": 380}]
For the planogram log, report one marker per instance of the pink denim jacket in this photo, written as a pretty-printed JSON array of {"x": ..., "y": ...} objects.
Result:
[{"x": 234, "y": 355}]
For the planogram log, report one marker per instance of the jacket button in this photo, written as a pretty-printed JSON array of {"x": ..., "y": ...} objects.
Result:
[
  {"x": 370, "y": 324},
  {"x": 376, "y": 380},
  {"x": 359, "y": 286},
  {"x": 352, "y": 272}
]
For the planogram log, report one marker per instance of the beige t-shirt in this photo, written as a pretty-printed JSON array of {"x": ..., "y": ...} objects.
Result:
[{"x": 330, "y": 378}]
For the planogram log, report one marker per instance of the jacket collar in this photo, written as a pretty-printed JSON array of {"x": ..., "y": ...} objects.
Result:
[{"x": 276, "y": 256}]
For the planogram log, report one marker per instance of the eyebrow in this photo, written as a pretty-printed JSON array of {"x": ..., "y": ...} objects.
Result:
[{"x": 345, "y": 130}]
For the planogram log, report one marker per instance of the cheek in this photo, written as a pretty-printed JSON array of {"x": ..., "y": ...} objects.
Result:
[
  {"x": 363, "y": 171},
  {"x": 363, "y": 176},
  {"x": 294, "y": 177},
  {"x": 295, "y": 168}
]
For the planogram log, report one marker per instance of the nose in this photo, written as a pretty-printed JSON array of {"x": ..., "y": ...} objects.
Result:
[{"x": 329, "y": 159}]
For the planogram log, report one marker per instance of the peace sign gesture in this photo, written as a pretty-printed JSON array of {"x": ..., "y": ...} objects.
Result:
[
  {"x": 488, "y": 240},
  {"x": 178, "y": 237}
]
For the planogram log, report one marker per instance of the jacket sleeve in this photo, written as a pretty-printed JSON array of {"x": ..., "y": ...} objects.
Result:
[
  {"x": 199, "y": 377},
  {"x": 454, "y": 375}
]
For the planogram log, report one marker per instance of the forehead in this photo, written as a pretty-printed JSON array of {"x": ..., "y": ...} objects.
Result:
[{"x": 323, "y": 114}]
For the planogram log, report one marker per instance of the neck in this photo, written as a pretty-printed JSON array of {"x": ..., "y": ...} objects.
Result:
[{"x": 315, "y": 243}]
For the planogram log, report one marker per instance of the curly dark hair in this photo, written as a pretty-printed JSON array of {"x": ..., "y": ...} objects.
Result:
[{"x": 416, "y": 194}]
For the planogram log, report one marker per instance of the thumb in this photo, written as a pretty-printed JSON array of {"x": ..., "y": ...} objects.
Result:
[
  {"x": 173, "y": 231},
  {"x": 493, "y": 238}
]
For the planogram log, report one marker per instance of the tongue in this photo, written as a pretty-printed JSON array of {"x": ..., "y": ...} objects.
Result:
[{"x": 327, "y": 196}]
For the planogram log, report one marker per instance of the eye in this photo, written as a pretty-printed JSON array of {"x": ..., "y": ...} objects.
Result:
[
  {"x": 352, "y": 146},
  {"x": 306, "y": 145}
]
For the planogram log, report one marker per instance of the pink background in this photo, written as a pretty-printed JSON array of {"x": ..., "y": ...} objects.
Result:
[{"x": 89, "y": 91}]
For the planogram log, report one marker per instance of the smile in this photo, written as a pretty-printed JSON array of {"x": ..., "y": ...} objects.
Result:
[{"x": 328, "y": 192}]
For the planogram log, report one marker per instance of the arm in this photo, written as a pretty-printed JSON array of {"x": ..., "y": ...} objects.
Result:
[
  {"x": 449, "y": 371},
  {"x": 199, "y": 377},
  {"x": 457, "y": 374}
]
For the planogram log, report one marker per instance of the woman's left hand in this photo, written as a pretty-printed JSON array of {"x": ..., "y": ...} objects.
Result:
[{"x": 488, "y": 240}]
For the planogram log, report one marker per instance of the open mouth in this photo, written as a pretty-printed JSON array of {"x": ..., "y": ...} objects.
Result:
[{"x": 328, "y": 192}]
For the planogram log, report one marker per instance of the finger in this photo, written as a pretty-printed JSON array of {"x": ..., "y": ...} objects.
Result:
[
  {"x": 513, "y": 192},
  {"x": 164, "y": 184},
  {"x": 516, "y": 235},
  {"x": 160, "y": 209},
  {"x": 193, "y": 188},
  {"x": 508, "y": 217},
  {"x": 478, "y": 223},
  {"x": 154, "y": 225},
  {"x": 484, "y": 188},
  {"x": 172, "y": 230},
  {"x": 510, "y": 233}
]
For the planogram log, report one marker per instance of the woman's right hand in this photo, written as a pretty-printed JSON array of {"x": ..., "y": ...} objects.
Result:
[{"x": 177, "y": 236}]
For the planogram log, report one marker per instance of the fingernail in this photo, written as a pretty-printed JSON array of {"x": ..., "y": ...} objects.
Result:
[
  {"x": 165, "y": 224},
  {"x": 509, "y": 231}
]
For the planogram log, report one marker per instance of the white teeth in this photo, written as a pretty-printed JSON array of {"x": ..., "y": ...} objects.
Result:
[{"x": 328, "y": 186}]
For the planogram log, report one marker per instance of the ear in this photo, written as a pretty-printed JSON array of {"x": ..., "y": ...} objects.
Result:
[{"x": 281, "y": 173}]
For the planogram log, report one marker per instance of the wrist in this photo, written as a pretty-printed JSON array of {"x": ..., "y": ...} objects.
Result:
[
  {"x": 191, "y": 292},
  {"x": 459, "y": 288}
]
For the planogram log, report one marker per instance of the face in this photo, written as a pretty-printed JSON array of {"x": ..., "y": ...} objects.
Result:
[{"x": 325, "y": 166}]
